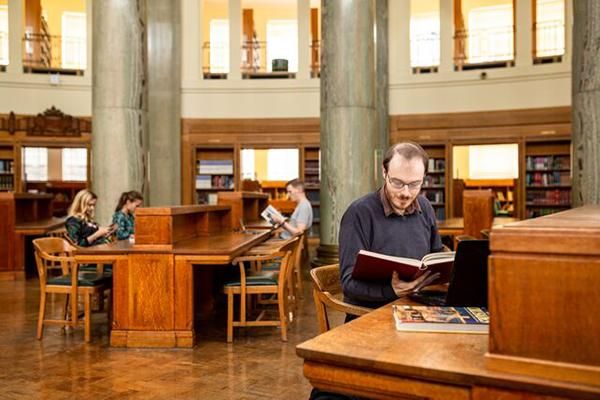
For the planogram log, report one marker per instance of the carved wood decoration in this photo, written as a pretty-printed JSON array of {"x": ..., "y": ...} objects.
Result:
[{"x": 53, "y": 122}]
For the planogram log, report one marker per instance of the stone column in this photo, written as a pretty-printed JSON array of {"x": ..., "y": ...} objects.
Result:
[
  {"x": 235, "y": 39},
  {"x": 523, "y": 33},
  {"x": 586, "y": 103},
  {"x": 303, "y": 39},
  {"x": 119, "y": 102},
  {"x": 15, "y": 37},
  {"x": 446, "y": 36},
  {"x": 348, "y": 115},
  {"x": 164, "y": 101},
  {"x": 382, "y": 93}
]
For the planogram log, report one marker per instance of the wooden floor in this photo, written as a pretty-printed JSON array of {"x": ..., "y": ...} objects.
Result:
[{"x": 61, "y": 366}]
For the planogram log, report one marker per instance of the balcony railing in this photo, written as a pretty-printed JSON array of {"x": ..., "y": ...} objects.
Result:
[
  {"x": 484, "y": 48},
  {"x": 49, "y": 53},
  {"x": 425, "y": 52}
]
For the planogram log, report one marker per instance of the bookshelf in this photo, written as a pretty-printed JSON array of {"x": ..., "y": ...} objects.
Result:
[
  {"x": 7, "y": 169},
  {"x": 311, "y": 168},
  {"x": 214, "y": 172},
  {"x": 504, "y": 194},
  {"x": 63, "y": 193},
  {"x": 434, "y": 183},
  {"x": 547, "y": 177}
]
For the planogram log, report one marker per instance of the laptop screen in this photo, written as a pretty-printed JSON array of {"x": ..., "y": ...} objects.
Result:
[{"x": 469, "y": 281}]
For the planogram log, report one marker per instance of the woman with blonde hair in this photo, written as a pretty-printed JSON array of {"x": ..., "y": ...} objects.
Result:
[
  {"x": 124, "y": 216},
  {"x": 80, "y": 224}
]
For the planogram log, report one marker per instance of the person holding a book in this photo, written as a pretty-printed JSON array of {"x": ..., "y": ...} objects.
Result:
[
  {"x": 302, "y": 217},
  {"x": 394, "y": 220},
  {"x": 124, "y": 216}
]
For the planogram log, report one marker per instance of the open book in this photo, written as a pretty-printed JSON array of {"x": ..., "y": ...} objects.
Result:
[
  {"x": 441, "y": 319},
  {"x": 270, "y": 212},
  {"x": 374, "y": 266}
]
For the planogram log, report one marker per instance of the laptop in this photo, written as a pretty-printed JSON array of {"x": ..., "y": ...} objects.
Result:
[{"x": 468, "y": 282}]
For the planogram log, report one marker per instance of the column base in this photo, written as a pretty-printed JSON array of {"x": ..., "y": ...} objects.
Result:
[
  {"x": 326, "y": 254},
  {"x": 152, "y": 339}
]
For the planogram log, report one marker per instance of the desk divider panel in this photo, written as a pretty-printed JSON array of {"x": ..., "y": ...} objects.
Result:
[
  {"x": 245, "y": 206},
  {"x": 543, "y": 291}
]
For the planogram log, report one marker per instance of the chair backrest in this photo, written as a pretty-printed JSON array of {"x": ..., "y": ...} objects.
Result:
[
  {"x": 478, "y": 211},
  {"x": 288, "y": 252},
  {"x": 327, "y": 292},
  {"x": 50, "y": 252}
]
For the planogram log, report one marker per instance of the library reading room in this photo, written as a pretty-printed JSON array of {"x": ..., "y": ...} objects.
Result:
[{"x": 300, "y": 199}]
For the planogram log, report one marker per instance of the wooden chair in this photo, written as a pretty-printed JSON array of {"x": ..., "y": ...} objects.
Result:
[
  {"x": 51, "y": 251},
  {"x": 257, "y": 285},
  {"x": 327, "y": 292}
]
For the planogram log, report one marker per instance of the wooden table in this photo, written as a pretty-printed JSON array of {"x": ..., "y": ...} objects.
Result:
[
  {"x": 368, "y": 357},
  {"x": 455, "y": 226},
  {"x": 153, "y": 279}
]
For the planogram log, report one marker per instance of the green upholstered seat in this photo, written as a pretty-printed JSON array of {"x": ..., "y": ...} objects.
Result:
[
  {"x": 254, "y": 280},
  {"x": 84, "y": 280}
]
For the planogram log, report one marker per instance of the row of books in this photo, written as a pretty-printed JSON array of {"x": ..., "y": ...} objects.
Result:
[
  {"x": 548, "y": 178},
  {"x": 435, "y": 196},
  {"x": 6, "y": 166},
  {"x": 440, "y": 213},
  {"x": 436, "y": 165},
  {"x": 214, "y": 182},
  {"x": 6, "y": 182},
  {"x": 549, "y": 197},
  {"x": 501, "y": 197},
  {"x": 311, "y": 167},
  {"x": 312, "y": 180},
  {"x": 548, "y": 162},
  {"x": 215, "y": 167},
  {"x": 433, "y": 180},
  {"x": 206, "y": 198},
  {"x": 313, "y": 195},
  {"x": 540, "y": 212}
]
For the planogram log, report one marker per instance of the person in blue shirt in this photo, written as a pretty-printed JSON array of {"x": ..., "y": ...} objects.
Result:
[{"x": 124, "y": 216}]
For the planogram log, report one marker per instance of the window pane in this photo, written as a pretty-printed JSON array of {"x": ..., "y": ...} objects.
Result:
[
  {"x": 490, "y": 34},
  {"x": 424, "y": 33},
  {"x": 74, "y": 165},
  {"x": 498, "y": 161},
  {"x": 282, "y": 164},
  {"x": 248, "y": 169},
  {"x": 74, "y": 54},
  {"x": 3, "y": 35},
  {"x": 219, "y": 45},
  {"x": 550, "y": 28},
  {"x": 282, "y": 42},
  {"x": 36, "y": 163}
]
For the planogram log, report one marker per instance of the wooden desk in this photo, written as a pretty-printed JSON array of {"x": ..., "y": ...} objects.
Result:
[
  {"x": 245, "y": 206},
  {"x": 455, "y": 226},
  {"x": 153, "y": 279},
  {"x": 368, "y": 357},
  {"x": 22, "y": 214}
]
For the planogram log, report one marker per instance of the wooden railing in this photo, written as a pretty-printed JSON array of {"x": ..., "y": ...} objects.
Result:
[{"x": 50, "y": 53}]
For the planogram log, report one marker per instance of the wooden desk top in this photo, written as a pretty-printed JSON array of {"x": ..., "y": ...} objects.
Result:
[
  {"x": 372, "y": 345},
  {"x": 39, "y": 227},
  {"x": 229, "y": 245},
  {"x": 458, "y": 223},
  {"x": 258, "y": 224},
  {"x": 178, "y": 210}
]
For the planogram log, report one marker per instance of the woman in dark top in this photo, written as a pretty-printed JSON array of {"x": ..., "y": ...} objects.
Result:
[
  {"x": 124, "y": 216},
  {"x": 80, "y": 224}
]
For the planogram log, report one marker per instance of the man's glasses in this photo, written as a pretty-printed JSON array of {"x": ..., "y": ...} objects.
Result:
[{"x": 399, "y": 185}]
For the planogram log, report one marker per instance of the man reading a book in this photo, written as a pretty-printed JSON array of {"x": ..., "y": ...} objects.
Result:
[
  {"x": 394, "y": 220},
  {"x": 302, "y": 217}
]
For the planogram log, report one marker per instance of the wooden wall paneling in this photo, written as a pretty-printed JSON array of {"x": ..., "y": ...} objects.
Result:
[
  {"x": 153, "y": 230},
  {"x": 7, "y": 227},
  {"x": 520, "y": 195},
  {"x": 150, "y": 274},
  {"x": 120, "y": 293},
  {"x": 448, "y": 179},
  {"x": 184, "y": 295}
]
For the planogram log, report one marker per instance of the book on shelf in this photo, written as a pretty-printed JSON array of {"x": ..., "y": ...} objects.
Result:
[
  {"x": 441, "y": 319},
  {"x": 375, "y": 266},
  {"x": 224, "y": 167},
  {"x": 270, "y": 214}
]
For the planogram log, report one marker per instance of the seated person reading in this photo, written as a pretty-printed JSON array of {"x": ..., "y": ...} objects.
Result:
[
  {"x": 124, "y": 216},
  {"x": 394, "y": 220},
  {"x": 302, "y": 217},
  {"x": 81, "y": 227}
]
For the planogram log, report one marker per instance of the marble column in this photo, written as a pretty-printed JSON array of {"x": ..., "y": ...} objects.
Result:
[
  {"x": 349, "y": 134},
  {"x": 382, "y": 93},
  {"x": 119, "y": 102},
  {"x": 164, "y": 101},
  {"x": 15, "y": 36},
  {"x": 586, "y": 103}
]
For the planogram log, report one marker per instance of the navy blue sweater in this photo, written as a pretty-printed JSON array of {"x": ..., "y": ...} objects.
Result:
[{"x": 365, "y": 226}]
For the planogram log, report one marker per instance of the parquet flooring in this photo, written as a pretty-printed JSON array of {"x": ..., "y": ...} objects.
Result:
[{"x": 61, "y": 366}]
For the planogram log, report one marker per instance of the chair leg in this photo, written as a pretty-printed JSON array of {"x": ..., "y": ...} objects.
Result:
[
  {"x": 87, "y": 313},
  {"x": 299, "y": 288},
  {"x": 66, "y": 310},
  {"x": 41, "y": 315},
  {"x": 282, "y": 319},
  {"x": 229, "y": 317}
]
